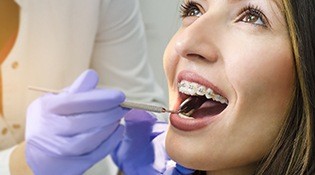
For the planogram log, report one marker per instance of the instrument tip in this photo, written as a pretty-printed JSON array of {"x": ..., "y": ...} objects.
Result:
[{"x": 171, "y": 111}]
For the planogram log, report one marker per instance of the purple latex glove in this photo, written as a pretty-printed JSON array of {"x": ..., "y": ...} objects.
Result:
[
  {"x": 142, "y": 150},
  {"x": 69, "y": 132}
]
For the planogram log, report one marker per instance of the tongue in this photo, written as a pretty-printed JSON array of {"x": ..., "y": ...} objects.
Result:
[{"x": 208, "y": 108}]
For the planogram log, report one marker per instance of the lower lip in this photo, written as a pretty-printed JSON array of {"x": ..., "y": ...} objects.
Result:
[{"x": 190, "y": 124}]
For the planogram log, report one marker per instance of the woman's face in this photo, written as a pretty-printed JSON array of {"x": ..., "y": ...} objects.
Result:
[{"x": 238, "y": 54}]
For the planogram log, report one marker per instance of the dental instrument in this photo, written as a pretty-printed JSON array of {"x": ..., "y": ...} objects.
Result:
[{"x": 126, "y": 104}]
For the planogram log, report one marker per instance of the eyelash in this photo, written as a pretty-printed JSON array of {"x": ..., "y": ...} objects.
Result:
[
  {"x": 253, "y": 11},
  {"x": 189, "y": 6}
]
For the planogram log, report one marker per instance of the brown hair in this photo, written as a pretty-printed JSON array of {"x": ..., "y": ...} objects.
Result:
[{"x": 293, "y": 152}]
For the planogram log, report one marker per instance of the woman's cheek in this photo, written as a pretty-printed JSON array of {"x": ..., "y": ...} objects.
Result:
[{"x": 170, "y": 61}]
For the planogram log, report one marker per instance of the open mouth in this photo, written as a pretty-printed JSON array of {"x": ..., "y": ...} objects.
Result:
[{"x": 198, "y": 101}]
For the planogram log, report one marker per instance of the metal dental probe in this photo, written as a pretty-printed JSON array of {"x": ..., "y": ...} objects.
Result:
[
  {"x": 126, "y": 104},
  {"x": 146, "y": 107}
]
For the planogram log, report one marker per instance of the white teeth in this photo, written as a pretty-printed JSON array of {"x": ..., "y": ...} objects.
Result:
[
  {"x": 210, "y": 94},
  {"x": 194, "y": 89},
  {"x": 201, "y": 90},
  {"x": 185, "y": 116},
  {"x": 183, "y": 87},
  {"x": 220, "y": 99}
]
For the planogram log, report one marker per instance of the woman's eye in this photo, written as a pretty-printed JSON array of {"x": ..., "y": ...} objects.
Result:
[
  {"x": 190, "y": 9},
  {"x": 253, "y": 16},
  {"x": 253, "y": 19}
]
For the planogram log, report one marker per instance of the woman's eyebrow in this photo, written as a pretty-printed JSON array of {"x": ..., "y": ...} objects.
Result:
[{"x": 278, "y": 3}]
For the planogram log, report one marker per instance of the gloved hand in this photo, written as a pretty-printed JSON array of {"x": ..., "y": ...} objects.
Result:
[
  {"x": 142, "y": 150},
  {"x": 69, "y": 132}
]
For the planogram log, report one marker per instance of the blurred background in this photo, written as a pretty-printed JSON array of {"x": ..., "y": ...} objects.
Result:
[{"x": 162, "y": 19}]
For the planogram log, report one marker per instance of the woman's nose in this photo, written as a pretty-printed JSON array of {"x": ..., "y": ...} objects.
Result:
[{"x": 196, "y": 42}]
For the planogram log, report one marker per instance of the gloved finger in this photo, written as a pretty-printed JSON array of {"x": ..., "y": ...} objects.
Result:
[
  {"x": 83, "y": 122},
  {"x": 108, "y": 145},
  {"x": 160, "y": 152},
  {"x": 158, "y": 128},
  {"x": 75, "y": 145},
  {"x": 139, "y": 125},
  {"x": 85, "y": 142},
  {"x": 183, "y": 170},
  {"x": 136, "y": 140},
  {"x": 92, "y": 101},
  {"x": 86, "y": 81},
  {"x": 158, "y": 142},
  {"x": 35, "y": 155}
]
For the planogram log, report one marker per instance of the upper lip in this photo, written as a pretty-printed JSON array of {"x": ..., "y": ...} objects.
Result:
[{"x": 193, "y": 77}]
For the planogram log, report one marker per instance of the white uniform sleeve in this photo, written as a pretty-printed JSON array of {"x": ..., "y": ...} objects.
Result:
[
  {"x": 5, "y": 160},
  {"x": 120, "y": 53},
  {"x": 120, "y": 58}
]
